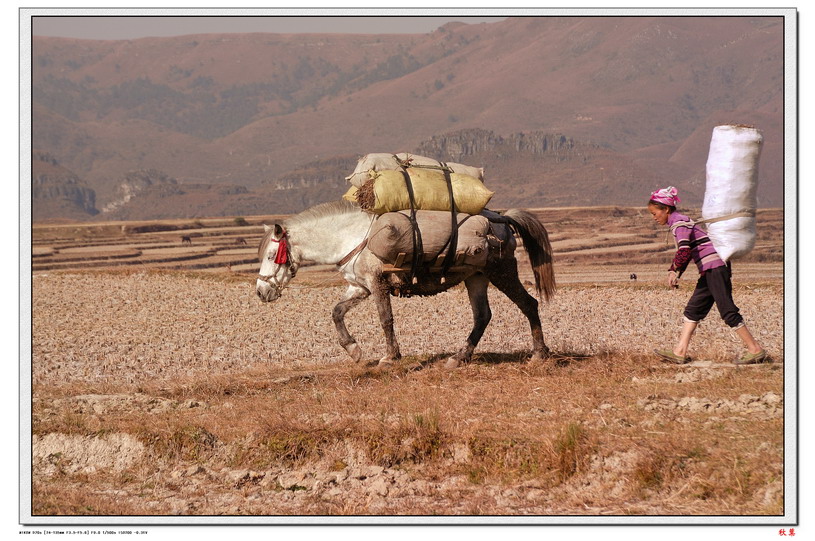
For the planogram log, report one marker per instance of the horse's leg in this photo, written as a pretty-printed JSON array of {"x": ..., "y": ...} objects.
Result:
[
  {"x": 477, "y": 291},
  {"x": 505, "y": 278},
  {"x": 353, "y": 296},
  {"x": 382, "y": 299}
]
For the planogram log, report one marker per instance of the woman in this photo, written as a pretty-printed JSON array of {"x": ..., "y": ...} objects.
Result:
[{"x": 713, "y": 287}]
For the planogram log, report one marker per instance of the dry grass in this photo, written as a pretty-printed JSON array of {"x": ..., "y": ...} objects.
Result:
[
  {"x": 366, "y": 196},
  {"x": 547, "y": 434},
  {"x": 601, "y": 428},
  {"x": 167, "y": 393}
]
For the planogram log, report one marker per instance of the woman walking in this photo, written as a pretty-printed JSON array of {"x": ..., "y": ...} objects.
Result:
[{"x": 713, "y": 287}]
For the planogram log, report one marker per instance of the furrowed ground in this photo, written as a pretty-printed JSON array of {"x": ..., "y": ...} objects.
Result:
[{"x": 165, "y": 389}]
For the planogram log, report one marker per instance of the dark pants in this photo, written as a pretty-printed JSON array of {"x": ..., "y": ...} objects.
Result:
[{"x": 714, "y": 286}]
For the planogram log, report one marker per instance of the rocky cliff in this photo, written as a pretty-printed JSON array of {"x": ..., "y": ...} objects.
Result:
[{"x": 57, "y": 192}]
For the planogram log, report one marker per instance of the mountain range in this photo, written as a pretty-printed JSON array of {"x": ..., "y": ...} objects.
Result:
[{"x": 559, "y": 111}]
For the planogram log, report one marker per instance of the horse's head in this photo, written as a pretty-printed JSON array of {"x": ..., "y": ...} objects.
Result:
[{"x": 276, "y": 265}]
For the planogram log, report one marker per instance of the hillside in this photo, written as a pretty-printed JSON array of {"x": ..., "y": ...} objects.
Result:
[
  {"x": 264, "y": 123},
  {"x": 59, "y": 192}
]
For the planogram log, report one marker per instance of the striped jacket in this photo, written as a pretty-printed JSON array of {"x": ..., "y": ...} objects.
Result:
[{"x": 692, "y": 242}]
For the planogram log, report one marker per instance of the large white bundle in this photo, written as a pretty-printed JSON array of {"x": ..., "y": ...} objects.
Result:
[
  {"x": 732, "y": 180},
  {"x": 393, "y": 162}
]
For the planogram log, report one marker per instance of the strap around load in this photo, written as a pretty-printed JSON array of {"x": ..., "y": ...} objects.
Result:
[
  {"x": 741, "y": 214},
  {"x": 418, "y": 250},
  {"x": 408, "y": 162},
  {"x": 691, "y": 223},
  {"x": 451, "y": 251}
]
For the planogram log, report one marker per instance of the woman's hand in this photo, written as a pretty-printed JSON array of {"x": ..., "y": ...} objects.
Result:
[{"x": 673, "y": 279}]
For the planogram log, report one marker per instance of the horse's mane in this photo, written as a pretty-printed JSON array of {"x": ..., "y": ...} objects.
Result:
[
  {"x": 308, "y": 216},
  {"x": 324, "y": 210}
]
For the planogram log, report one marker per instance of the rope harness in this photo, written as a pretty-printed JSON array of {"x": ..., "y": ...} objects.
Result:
[
  {"x": 691, "y": 223},
  {"x": 418, "y": 249},
  {"x": 283, "y": 260}
]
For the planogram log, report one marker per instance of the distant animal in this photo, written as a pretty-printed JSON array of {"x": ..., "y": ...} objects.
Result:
[
  {"x": 336, "y": 233},
  {"x": 186, "y": 240},
  {"x": 240, "y": 241},
  {"x": 633, "y": 277}
]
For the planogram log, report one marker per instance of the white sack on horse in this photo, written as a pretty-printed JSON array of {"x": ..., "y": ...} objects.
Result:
[
  {"x": 387, "y": 192},
  {"x": 371, "y": 163},
  {"x": 392, "y": 234},
  {"x": 732, "y": 180}
]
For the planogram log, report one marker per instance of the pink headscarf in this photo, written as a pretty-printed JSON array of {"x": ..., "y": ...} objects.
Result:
[{"x": 667, "y": 196}]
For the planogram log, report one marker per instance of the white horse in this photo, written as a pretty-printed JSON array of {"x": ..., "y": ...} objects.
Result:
[{"x": 334, "y": 234}]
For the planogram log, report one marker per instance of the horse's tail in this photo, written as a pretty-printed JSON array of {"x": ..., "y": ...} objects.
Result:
[{"x": 536, "y": 242}]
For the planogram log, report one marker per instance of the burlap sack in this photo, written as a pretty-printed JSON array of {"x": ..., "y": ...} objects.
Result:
[
  {"x": 387, "y": 192},
  {"x": 392, "y": 234},
  {"x": 372, "y": 163}
]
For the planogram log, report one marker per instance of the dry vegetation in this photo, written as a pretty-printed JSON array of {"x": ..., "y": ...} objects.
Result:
[{"x": 176, "y": 392}]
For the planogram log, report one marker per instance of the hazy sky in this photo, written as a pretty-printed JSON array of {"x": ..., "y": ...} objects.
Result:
[{"x": 132, "y": 27}]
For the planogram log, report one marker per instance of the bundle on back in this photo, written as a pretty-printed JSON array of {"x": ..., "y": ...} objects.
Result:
[
  {"x": 391, "y": 237},
  {"x": 730, "y": 202},
  {"x": 383, "y": 183},
  {"x": 398, "y": 162},
  {"x": 387, "y": 191}
]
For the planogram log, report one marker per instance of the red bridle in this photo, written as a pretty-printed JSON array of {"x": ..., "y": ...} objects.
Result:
[{"x": 282, "y": 257}]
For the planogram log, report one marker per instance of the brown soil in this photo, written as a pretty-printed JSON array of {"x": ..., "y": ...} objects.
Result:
[{"x": 160, "y": 389}]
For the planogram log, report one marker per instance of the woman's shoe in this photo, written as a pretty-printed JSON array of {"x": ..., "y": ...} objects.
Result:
[
  {"x": 752, "y": 358},
  {"x": 669, "y": 356}
]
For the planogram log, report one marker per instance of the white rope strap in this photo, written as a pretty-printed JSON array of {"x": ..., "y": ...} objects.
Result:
[{"x": 691, "y": 223}]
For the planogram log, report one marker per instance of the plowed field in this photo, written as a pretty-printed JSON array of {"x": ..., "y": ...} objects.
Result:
[{"x": 170, "y": 390}]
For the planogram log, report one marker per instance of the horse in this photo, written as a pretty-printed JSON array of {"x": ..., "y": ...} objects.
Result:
[
  {"x": 186, "y": 239},
  {"x": 335, "y": 233}
]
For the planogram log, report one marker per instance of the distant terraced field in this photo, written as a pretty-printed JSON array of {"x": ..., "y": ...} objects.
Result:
[
  {"x": 213, "y": 245},
  {"x": 580, "y": 236}
]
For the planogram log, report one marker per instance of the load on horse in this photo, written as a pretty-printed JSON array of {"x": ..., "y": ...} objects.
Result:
[{"x": 428, "y": 246}]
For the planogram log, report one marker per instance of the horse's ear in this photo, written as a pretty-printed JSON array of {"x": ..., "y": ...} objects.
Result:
[
  {"x": 278, "y": 231},
  {"x": 266, "y": 228}
]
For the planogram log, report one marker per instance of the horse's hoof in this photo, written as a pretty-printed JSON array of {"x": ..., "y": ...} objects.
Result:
[
  {"x": 354, "y": 351},
  {"x": 538, "y": 356},
  {"x": 451, "y": 363},
  {"x": 388, "y": 360}
]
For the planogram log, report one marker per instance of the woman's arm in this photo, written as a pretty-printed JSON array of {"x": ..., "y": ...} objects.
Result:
[{"x": 681, "y": 259}]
